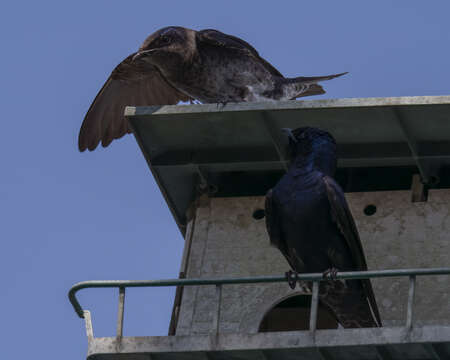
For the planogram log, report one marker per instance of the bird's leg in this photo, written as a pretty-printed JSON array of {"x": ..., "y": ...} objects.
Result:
[
  {"x": 292, "y": 278},
  {"x": 330, "y": 274},
  {"x": 221, "y": 104}
]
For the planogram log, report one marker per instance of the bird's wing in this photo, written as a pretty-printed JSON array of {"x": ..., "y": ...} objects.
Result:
[
  {"x": 274, "y": 228},
  {"x": 343, "y": 218},
  {"x": 130, "y": 83},
  {"x": 219, "y": 39}
]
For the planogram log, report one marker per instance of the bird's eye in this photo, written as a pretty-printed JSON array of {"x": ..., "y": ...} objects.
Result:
[{"x": 164, "y": 39}]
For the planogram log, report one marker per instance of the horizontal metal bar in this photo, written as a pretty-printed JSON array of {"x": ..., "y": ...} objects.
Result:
[
  {"x": 243, "y": 280},
  {"x": 364, "y": 162},
  {"x": 264, "y": 156}
]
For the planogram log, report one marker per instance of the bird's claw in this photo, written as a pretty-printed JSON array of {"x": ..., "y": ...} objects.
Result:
[
  {"x": 330, "y": 274},
  {"x": 292, "y": 278}
]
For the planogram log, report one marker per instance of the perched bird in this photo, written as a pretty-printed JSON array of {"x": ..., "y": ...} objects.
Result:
[
  {"x": 308, "y": 219},
  {"x": 178, "y": 64}
]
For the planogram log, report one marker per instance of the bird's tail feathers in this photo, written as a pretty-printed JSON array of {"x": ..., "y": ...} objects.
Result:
[
  {"x": 367, "y": 286},
  {"x": 349, "y": 304},
  {"x": 314, "y": 79},
  {"x": 313, "y": 89},
  {"x": 307, "y": 85}
]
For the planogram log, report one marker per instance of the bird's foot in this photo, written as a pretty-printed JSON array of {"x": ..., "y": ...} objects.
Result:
[
  {"x": 330, "y": 274},
  {"x": 292, "y": 278}
]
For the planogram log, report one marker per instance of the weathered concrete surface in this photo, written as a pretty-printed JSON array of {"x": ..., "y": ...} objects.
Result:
[
  {"x": 228, "y": 241},
  {"x": 343, "y": 344},
  {"x": 289, "y": 105},
  {"x": 402, "y": 234}
]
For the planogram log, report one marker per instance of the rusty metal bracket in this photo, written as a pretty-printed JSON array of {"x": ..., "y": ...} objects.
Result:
[
  {"x": 204, "y": 187},
  {"x": 422, "y": 166},
  {"x": 419, "y": 191}
]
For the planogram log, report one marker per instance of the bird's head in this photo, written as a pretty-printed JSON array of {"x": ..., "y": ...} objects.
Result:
[
  {"x": 167, "y": 45},
  {"x": 312, "y": 143}
]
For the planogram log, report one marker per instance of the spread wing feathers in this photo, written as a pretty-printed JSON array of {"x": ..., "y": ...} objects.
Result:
[
  {"x": 217, "y": 38},
  {"x": 130, "y": 83},
  {"x": 343, "y": 218},
  {"x": 274, "y": 228}
]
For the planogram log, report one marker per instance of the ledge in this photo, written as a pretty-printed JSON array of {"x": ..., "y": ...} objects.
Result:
[{"x": 427, "y": 342}]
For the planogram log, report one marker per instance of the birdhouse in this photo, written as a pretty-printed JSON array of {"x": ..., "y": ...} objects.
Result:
[{"x": 214, "y": 165}]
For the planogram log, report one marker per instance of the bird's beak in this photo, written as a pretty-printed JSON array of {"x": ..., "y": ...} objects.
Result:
[
  {"x": 289, "y": 134},
  {"x": 140, "y": 54}
]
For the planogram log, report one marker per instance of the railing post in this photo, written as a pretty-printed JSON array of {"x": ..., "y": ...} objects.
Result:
[
  {"x": 216, "y": 314},
  {"x": 88, "y": 323},
  {"x": 120, "y": 313},
  {"x": 314, "y": 306},
  {"x": 411, "y": 293}
]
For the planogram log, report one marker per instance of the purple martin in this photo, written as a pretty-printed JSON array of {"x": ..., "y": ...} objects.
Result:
[
  {"x": 178, "y": 64},
  {"x": 309, "y": 221}
]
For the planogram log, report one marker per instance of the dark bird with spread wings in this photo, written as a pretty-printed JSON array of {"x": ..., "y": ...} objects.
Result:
[
  {"x": 178, "y": 64},
  {"x": 309, "y": 220}
]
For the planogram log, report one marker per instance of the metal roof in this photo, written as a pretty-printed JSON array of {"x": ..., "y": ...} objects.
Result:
[{"x": 187, "y": 146}]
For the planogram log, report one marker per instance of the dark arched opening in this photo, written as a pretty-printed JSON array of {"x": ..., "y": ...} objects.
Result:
[{"x": 293, "y": 314}]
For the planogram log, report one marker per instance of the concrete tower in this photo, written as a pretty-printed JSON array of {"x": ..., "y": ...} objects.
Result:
[{"x": 214, "y": 166}]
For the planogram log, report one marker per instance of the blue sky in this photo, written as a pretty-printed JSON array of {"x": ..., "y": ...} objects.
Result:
[{"x": 67, "y": 217}]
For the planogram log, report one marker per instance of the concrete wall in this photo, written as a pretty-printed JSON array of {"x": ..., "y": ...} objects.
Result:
[{"x": 227, "y": 241}]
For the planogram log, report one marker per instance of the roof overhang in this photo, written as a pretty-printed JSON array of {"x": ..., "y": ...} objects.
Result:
[{"x": 194, "y": 148}]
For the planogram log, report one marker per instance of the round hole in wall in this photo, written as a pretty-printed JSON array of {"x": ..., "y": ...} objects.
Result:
[
  {"x": 433, "y": 180},
  {"x": 292, "y": 314},
  {"x": 369, "y": 210},
  {"x": 259, "y": 214}
]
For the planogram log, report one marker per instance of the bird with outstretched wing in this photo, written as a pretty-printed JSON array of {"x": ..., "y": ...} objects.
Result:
[{"x": 178, "y": 64}]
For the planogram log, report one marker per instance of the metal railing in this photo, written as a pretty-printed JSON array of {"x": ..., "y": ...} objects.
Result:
[{"x": 218, "y": 282}]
